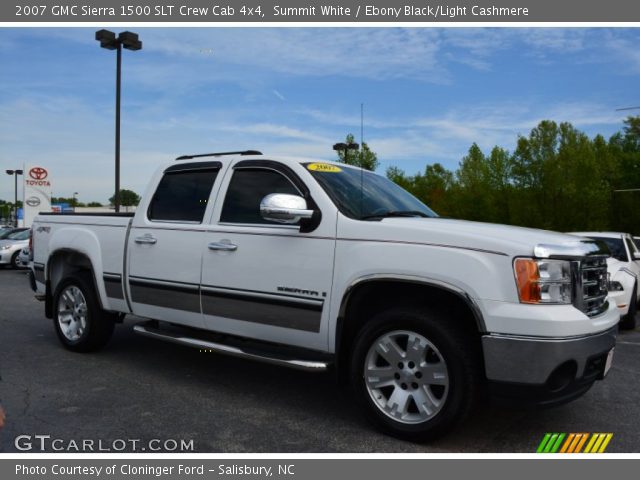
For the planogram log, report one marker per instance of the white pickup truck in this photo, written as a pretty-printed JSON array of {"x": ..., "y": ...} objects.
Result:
[{"x": 317, "y": 265}]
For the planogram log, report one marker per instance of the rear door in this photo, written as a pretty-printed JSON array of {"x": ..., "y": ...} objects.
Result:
[
  {"x": 262, "y": 279},
  {"x": 165, "y": 245}
]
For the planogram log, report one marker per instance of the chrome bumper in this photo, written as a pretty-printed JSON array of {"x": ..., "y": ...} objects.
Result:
[{"x": 532, "y": 360}]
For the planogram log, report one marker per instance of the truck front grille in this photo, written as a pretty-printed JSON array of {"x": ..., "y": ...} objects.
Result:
[{"x": 593, "y": 277}]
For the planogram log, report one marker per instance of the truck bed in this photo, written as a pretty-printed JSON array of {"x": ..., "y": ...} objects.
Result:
[{"x": 100, "y": 236}]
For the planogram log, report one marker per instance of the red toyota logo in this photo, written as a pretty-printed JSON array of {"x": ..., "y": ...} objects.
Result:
[{"x": 38, "y": 173}]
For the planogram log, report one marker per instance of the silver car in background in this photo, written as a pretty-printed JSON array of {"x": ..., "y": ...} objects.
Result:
[
  {"x": 23, "y": 257},
  {"x": 11, "y": 246}
]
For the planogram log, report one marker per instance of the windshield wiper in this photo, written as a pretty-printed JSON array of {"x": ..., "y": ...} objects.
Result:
[{"x": 396, "y": 213}]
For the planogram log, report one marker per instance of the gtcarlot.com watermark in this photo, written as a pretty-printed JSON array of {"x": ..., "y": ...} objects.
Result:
[{"x": 47, "y": 443}]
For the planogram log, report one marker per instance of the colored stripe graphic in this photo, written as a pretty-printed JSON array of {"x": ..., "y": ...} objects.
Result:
[
  {"x": 605, "y": 443},
  {"x": 591, "y": 443},
  {"x": 567, "y": 443},
  {"x": 543, "y": 443},
  {"x": 574, "y": 442},
  {"x": 556, "y": 445},
  {"x": 581, "y": 442}
]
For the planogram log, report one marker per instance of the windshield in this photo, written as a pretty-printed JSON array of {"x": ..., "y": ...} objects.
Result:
[
  {"x": 22, "y": 235},
  {"x": 378, "y": 197},
  {"x": 616, "y": 246}
]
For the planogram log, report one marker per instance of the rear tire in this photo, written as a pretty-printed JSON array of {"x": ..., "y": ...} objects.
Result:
[
  {"x": 417, "y": 374},
  {"x": 15, "y": 263},
  {"x": 80, "y": 323},
  {"x": 628, "y": 322}
]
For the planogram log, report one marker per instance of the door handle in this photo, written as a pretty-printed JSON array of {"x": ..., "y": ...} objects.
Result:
[
  {"x": 146, "y": 239},
  {"x": 224, "y": 246}
]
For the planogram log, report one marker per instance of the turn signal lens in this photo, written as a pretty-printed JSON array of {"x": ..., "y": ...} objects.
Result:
[
  {"x": 543, "y": 281},
  {"x": 527, "y": 277}
]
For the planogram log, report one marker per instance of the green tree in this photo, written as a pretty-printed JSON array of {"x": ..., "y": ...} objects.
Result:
[
  {"x": 94, "y": 204},
  {"x": 434, "y": 188},
  {"x": 398, "y": 176},
  {"x": 556, "y": 178},
  {"x": 500, "y": 165},
  {"x": 363, "y": 158},
  {"x": 631, "y": 130},
  {"x": 624, "y": 151},
  {"x": 532, "y": 156},
  {"x": 128, "y": 198},
  {"x": 474, "y": 202}
]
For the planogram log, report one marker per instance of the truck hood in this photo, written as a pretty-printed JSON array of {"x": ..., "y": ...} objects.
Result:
[{"x": 494, "y": 238}]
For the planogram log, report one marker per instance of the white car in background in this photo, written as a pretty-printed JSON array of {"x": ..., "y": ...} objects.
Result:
[{"x": 624, "y": 272}]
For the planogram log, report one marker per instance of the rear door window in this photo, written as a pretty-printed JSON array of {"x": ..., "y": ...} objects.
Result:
[{"x": 182, "y": 196}]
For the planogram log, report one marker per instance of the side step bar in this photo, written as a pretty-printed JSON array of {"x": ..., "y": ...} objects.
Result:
[{"x": 150, "y": 329}]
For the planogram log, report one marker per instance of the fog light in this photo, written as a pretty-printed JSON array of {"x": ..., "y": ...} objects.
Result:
[{"x": 562, "y": 376}]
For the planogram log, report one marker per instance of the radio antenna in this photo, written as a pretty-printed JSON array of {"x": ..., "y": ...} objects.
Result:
[{"x": 361, "y": 158}]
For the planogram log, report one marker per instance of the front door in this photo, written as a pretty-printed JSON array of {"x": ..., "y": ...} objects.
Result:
[{"x": 262, "y": 279}]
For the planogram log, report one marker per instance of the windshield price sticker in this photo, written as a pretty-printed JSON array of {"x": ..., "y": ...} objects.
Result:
[{"x": 324, "y": 167}]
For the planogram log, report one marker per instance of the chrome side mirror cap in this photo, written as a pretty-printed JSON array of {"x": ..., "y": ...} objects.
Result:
[
  {"x": 284, "y": 208},
  {"x": 636, "y": 255}
]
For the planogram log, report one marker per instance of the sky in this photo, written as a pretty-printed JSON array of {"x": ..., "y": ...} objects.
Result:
[{"x": 428, "y": 94}]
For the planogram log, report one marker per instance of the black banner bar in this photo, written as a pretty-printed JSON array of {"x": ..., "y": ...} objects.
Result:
[{"x": 360, "y": 11}]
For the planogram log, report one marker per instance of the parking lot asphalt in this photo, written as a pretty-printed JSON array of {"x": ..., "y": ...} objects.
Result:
[{"x": 142, "y": 389}]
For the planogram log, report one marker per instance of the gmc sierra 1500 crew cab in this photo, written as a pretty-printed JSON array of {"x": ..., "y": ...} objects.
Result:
[{"x": 312, "y": 265}]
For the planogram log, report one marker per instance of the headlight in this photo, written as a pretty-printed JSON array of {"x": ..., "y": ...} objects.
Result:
[
  {"x": 5, "y": 247},
  {"x": 543, "y": 281},
  {"x": 615, "y": 286}
]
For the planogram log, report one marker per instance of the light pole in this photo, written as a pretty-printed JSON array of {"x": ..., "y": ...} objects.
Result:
[
  {"x": 108, "y": 40},
  {"x": 15, "y": 174},
  {"x": 346, "y": 147},
  {"x": 75, "y": 201}
]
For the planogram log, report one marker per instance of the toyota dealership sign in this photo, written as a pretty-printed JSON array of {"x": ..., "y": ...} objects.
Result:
[{"x": 37, "y": 192}]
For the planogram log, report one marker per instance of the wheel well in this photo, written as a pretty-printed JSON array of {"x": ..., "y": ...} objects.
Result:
[
  {"x": 371, "y": 297},
  {"x": 61, "y": 265}
]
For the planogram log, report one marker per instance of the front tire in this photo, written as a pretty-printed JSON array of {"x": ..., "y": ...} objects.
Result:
[
  {"x": 15, "y": 262},
  {"x": 80, "y": 323},
  {"x": 417, "y": 374},
  {"x": 628, "y": 322}
]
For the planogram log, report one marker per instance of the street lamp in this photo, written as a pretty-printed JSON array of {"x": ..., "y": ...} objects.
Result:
[
  {"x": 75, "y": 201},
  {"x": 346, "y": 147},
  {"x": 15, "y": 174},
  {"x": 108, "y": 40}
]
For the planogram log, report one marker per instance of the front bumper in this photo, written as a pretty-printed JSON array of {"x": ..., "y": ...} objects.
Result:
[{"x": 546, "y": 370}]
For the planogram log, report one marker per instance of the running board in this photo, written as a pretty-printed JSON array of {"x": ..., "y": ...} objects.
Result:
[{"x": 150, "y": 329}]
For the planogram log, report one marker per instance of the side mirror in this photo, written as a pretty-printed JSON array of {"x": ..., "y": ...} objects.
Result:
[
  {"x": 284, "y": 208},
  {"x": 636, "y": 255}
]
